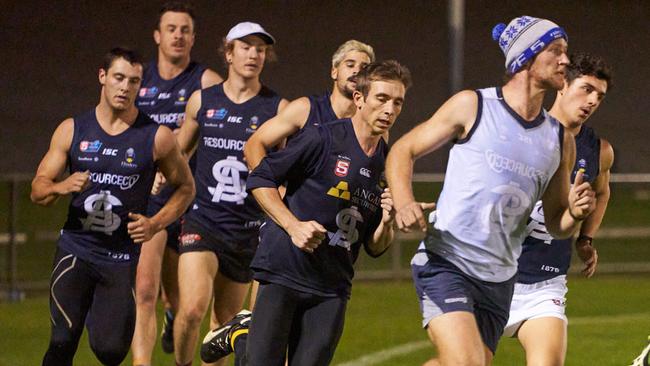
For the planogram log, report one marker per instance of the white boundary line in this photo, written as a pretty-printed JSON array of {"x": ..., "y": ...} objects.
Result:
[{"x": 389, "y": 353}]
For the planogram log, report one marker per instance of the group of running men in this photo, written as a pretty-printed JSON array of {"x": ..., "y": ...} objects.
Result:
[{"x": 287, "y": 193}]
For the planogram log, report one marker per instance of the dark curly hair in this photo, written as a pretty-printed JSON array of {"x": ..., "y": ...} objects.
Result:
[{"x": 584, "y": 64}]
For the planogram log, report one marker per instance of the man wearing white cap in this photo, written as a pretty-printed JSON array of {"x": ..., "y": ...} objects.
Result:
[
  {"x": 508, "y": 153},
  {"x": 220, "y": 231}
]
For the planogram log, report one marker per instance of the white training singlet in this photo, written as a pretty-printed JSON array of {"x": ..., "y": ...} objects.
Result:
[{"x": 494, "y": 177}]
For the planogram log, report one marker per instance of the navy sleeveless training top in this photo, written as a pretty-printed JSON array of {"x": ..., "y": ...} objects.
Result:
[
  {"x": 164, "y": 101},
  {"x": 121, "y": 169},
  {"x": 320, "y": 110},
  {"x": 222, "y": 204},
  {"x": 543, "y": 257}
]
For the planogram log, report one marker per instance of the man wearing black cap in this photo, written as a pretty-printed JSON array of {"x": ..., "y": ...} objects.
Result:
[
  {"x": 220, "y": 231},
  {"x": 507, "y": 151}
]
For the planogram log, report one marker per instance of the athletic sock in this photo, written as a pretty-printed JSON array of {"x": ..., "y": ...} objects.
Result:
[{"x": 238, "y": 342}]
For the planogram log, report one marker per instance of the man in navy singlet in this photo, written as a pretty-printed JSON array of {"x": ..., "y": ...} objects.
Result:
[
  {"x": 220, "y": 231},
  {"x": 336, "y": 202},
  {"x": 167, "y": 84},
  {"x": 348, "y": 59},
  {"x": 537, "y": 316},
  {"x": 112, "y": 152},
  {"x": 507, "y": 154}
]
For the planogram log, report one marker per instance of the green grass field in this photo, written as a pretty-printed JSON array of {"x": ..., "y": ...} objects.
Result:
[{"x": 609, "y": 321}]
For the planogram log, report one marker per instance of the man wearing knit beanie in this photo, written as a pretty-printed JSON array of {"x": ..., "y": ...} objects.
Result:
[{"x": 508, "y": 154}]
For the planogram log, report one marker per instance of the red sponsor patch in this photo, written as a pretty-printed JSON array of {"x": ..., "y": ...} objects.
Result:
[
  {"x": 342, "y": 167},
  {"x": 189, "y": 239}
]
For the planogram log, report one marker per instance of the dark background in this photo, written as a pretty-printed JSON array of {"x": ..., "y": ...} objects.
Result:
[{"x": 52, "y": 51}]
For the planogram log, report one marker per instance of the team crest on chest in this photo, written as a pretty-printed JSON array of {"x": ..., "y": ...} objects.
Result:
[
  {"x": 342, "y": 166},
  {"x": 129, "y": 158}
]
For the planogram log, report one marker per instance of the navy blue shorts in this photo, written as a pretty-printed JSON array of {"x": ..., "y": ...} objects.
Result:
[
  {"x": 234, "y": 258},
  {"x": 443, "y": 288},
  {"x": 173, "y": 230}
]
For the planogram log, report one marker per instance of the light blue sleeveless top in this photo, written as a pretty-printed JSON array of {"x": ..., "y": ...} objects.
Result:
[{"x": 494, "y": 177}]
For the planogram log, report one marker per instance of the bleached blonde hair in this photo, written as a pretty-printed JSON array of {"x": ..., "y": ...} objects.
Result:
[{"x": 352, "y": 45}]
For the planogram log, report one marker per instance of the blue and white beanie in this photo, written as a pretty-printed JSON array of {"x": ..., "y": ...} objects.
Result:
[{"x": 523, "y": 38}]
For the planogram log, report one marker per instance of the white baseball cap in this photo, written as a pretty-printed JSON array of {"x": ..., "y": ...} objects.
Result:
[{"x": 244, "y": 29}]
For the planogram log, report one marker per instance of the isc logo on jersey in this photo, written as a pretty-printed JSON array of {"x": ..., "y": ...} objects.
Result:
[
  {"x": 109, "y": 152},
  {"x": 148, "y": 92}
]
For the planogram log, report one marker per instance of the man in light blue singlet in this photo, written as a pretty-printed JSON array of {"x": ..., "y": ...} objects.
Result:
[{"x": 507, "y": 151}]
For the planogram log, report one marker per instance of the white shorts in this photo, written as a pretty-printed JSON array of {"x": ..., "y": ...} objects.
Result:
[{"x": 536, "y": 300}]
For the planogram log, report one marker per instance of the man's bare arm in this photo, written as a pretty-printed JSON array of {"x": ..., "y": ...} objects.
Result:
[
  {"x": 452, "y": 120},
  {"x": 584, "y": 248},
  {"x": 177, "y": 172},
  {"x": 566, "y": 205},
  {"x": 273, "y": 132},
  {"x": 187, "y": 136},
  {"x": 210, "y": 78},
  {"x": 306, "y": 235},
  {"x": 47, "y": 185}
]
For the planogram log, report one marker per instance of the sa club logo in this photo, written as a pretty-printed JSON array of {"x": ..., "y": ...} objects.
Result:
[{"x": 342, "y": 167}]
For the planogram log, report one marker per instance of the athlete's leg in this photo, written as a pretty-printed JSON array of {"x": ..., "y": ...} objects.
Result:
[
  {"x": 170, "y": 278},
  {"x": 71, "y": 293},
  {"x": 111, "y": 319},
  {"x": 457, "y": 338},
  {"x": 316, "y": 331},
  {"x": 270, "y": 326},
  {"x": 251, "y": 300},
  {"x": 146, "y": 294},
  {"x": 544, "y": 340},
  {"x": 169, "y": 292},
  {"x": 229, "y": 297},
  {"x": 196, "y": 273}
]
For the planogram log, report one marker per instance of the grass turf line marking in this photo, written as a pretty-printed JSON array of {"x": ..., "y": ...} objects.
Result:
[{"x": 389, "y": 353}]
